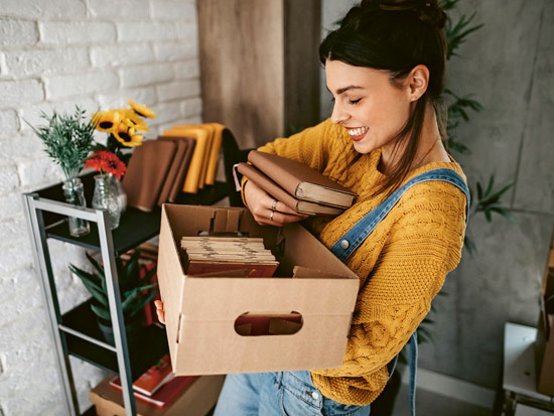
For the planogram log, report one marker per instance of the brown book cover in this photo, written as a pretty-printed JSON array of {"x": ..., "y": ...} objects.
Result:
[
  {"x": 268, "y": 185},
  {"x": 301, "y": 181},
  {"x": 199, "y": 158},
  {"x": 146, "y": 173},
  {"x": 180, "y": 150},
  {"x": 177, "y": 185}
]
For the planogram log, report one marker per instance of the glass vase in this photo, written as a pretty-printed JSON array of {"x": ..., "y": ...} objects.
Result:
[
  {"x": 105, "y": 198},
  {"x": 74, "y": 194},
  {"x": 120, "y": 192}
]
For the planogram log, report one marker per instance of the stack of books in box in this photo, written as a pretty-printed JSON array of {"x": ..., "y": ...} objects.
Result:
[
  {"x": 223, "y": 254},
  {"x": 296, "y": 185}
]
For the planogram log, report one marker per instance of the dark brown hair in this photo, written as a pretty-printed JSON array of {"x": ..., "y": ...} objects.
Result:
[{"x": 395, "y": 35}]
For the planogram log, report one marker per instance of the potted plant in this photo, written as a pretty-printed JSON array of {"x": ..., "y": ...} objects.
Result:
[
  {"x": 135, "y": 290},
  {"x": 68, "y": 140}
]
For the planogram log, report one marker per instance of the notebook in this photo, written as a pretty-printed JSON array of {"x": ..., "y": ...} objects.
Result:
[{"x": 301, "y": 181}]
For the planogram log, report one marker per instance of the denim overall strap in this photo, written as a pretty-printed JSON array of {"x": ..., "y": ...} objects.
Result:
[{"x": 349, "y": 242}]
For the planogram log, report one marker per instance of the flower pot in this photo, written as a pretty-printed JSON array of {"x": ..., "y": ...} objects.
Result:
[{"x": 132, "y": 329}]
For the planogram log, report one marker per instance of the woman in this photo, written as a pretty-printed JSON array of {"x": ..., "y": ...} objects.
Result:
[{"x": 385, "y": 66}]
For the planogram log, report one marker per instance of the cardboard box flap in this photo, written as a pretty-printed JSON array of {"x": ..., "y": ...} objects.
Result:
[
  {"x": 303, "y": 249},
  {"x": 212, "y": 220},
  {"x": 225, "y": 299}
]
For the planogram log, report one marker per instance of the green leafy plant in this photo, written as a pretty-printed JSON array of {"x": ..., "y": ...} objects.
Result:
[
  {"x": 68, "y": 139},
  {"x": 132, "y": 286}
]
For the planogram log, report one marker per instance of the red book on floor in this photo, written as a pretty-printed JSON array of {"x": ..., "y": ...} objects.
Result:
[
  {"x": 166, "y": 394},
  {"x": 155, "y": 377}
]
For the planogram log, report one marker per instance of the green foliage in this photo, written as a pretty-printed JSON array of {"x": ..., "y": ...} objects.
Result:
[
  {"x": 67, "y": 139},
  {"x": 132, "y": 287},
  {"x": 458, "y": 108}
]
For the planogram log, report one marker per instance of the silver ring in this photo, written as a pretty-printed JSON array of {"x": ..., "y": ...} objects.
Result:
[
  {"x": 274, "y": 205},
  {"x": 271, "y": 216}
]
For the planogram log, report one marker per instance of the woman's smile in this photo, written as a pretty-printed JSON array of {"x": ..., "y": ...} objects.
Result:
[{"x": 357, "y": 133}]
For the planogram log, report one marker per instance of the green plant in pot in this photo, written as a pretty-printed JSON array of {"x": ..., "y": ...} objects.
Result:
[{"x": 135, "y": 292}]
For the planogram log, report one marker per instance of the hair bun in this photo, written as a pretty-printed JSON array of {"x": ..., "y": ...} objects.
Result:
[{"x": 428, "y": 11}]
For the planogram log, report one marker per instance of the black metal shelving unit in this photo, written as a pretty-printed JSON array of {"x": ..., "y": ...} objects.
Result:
[{"x": 75, "y": 332}]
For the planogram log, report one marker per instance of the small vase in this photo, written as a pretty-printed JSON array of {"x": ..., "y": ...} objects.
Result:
[
  {"x": 74, "y": 194},
  {"x": 105, "y": 198},
  {"x": 120, "y": 192}
]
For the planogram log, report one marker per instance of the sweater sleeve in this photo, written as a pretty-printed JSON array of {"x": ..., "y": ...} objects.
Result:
[
  {"x": 310, "y": 146},
  {"x": 421, "y": 249}
]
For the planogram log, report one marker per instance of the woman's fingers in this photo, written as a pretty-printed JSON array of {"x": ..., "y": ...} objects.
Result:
[
  {"x": 266, "y": 209},
  {"x": 278, "y": 219},
  {"x": 160, "y": 311}
]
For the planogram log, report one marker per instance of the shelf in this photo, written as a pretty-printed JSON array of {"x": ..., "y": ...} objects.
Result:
[
  {"x": 207, "y": 196},
  {"x": 142, "y": 355},
  {"x": 135, "y": 227}
]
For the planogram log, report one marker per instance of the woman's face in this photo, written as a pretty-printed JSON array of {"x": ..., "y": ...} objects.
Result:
[{"x": 367, "y": 104}]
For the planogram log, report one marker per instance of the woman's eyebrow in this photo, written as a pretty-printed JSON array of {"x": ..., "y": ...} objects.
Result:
[{"x": 344, "y": 89}]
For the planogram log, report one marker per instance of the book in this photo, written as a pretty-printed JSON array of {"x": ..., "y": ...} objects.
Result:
[
  {"x": 166, "y": 394},
  {"x": 199, "y": 158},
  {"x": 174, "y": 169},
  {"x": 268, "y": 185},
  {"x": 147, "y": 172},
  {"x": 209, "y": 255},
  {"x": 155, "y": 377},
  {"x": 301, "y": 181},
  {"x": 213, "y": 157},
  {"x": 184, "y": 164}
]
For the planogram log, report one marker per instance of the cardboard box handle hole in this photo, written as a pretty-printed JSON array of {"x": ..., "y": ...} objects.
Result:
[{"x": 251, "y": 324}]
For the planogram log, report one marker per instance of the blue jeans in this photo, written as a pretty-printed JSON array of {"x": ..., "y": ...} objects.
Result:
[{"x": 289, "y": 393}]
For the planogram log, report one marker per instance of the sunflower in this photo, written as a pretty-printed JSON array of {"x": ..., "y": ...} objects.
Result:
[
  {"x": 106, "y": 120},
  {"x": 131, "y": 119},
  {"x": 141, "y": 110},
  {"x": 127, "y": 136}
]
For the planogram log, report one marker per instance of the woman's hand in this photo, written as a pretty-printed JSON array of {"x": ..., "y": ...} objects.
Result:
[
  {"x": 266, "y": 209},
  {"x": 160, "y": 311}
]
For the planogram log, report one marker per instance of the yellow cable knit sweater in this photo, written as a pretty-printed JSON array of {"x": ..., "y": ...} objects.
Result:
[{"x": 402, "y": 264}]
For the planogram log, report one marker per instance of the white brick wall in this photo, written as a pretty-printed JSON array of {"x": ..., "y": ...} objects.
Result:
[{"x": 54, "y": 55}]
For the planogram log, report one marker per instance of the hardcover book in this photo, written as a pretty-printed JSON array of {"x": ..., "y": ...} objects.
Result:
[
  {"x": 147, "y": 172},
  {"x": 174, "y": 169},
  {"x": 301, "y": 181},
  {"x": 155, "y": 377},
  {"x": 198, "y": 162},
  {"x": 268, "y": 185},
  {"x": 180, "y": 176},
  {"x": 166, "y": 394}
]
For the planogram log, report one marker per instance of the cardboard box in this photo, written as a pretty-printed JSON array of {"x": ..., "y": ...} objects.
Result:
[
  {"x": 544, "y": 344},
  {"x": 201, "y": 311},
  {"x": 197, "y": 400}
]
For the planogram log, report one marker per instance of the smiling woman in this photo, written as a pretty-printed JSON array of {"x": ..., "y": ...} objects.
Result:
[{"x": 385, "y": 68}]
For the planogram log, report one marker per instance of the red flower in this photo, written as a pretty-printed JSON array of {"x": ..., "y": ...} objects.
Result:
[{"x": 105, "y": 161}]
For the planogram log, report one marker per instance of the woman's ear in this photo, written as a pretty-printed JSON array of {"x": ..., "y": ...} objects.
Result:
[{"x": 418, "y": 80}]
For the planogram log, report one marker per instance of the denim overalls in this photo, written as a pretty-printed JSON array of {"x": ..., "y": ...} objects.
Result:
[
  {"x": 292, "y": 393},
  {"x": 349, "y": 242}
]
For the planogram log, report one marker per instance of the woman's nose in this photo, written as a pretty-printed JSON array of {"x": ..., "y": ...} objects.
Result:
[{"x": 338, "y": 115}]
